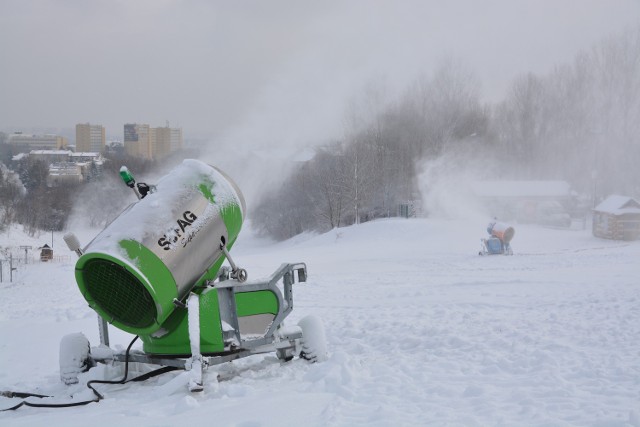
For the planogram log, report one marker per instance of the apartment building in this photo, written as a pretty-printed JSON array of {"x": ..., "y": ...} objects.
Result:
[
  {"x": 166, "y": 140},
  {"x": 64, "y": 173},
  {"x": 90, "y": 138},
  {"x": 137, "y": 140},
  {"x": 140, "y": 140},
  {"x": 26, "y": 143}
]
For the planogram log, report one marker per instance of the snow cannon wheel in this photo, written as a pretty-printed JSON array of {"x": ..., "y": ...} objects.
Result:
[
  {"x": 75, "y": 357},
  {"x": 313, "y": 343}
]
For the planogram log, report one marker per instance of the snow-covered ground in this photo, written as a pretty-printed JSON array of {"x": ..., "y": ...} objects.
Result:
[{"x": 420, "y": 329}]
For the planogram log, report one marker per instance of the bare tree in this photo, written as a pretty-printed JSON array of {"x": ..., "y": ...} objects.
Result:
[
  {"x": 616, "y": 64},
  {"x": 330, "y": 189},
  {"x": 363, "y": 130},
  {"x": 525, "y": 121},
  {"x": 287, "y": 211},
  {"x": 447, "y": 107},
  {"x": 10, "y": 195}
]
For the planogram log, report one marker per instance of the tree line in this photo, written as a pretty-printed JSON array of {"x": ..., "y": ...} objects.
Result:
[
  {"x": 579, "y": 123},
  {"x": 26, "y": 199}
]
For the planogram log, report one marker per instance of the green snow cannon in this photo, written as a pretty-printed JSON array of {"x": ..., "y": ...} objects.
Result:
[
  {"x": 156, "y": 272},
  {"x": 140, "y": 267}
]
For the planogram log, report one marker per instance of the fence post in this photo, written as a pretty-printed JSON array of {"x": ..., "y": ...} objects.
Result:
[{"x": 11, "y": 268}]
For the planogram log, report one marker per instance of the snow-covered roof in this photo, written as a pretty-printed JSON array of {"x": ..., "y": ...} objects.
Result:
[
  {"x": 19, "y": 157},
  {"x": 521, "y": 188},
  {"x": 85, "y": 154},
  {"x": 618, "y": 205},
  {"x": 51, "y": 152},
  {"x": 27, "y": 136}
]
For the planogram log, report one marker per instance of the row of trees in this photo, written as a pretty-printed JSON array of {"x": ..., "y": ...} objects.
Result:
[
  {"x": 579, "y": 123},
  {"x": 374, "y": 168},
  {"x": 26, "y": 199}
]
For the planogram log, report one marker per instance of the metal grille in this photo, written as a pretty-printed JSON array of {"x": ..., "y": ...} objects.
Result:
[{"x": 119, "y": 293}]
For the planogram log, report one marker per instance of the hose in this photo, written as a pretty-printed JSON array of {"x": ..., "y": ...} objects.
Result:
[{"x": 98, "y": 395}]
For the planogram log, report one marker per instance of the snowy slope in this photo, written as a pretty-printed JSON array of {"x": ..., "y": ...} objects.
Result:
[{"x": 421, "y": 331}]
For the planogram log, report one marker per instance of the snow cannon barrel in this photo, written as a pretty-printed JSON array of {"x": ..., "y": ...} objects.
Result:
[
  {"x": 161, "y": 247},
  {"x": 503, "y": 232}
]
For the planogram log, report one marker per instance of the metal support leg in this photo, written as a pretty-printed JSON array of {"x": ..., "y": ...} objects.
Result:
[
  {"x": 193, "y": 306},
  {"x": 103, "y": 328}
]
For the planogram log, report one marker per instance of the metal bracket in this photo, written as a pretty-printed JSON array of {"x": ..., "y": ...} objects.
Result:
[
  {"x": 239, "y": 274},
  {"x": 228, "y": 289}
]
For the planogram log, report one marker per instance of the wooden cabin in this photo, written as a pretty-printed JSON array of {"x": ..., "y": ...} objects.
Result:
[
  {"x": 46, "y": 253},
  {"x": 618, "y": 218}
]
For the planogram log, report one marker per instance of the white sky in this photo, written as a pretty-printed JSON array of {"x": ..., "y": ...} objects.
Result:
[{"x": 267, "y": 71}]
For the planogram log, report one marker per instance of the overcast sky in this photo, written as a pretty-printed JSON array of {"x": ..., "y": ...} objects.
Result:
[{"x": 267, "y": 71}]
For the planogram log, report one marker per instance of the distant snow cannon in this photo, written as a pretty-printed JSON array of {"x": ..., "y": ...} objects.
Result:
[
  {"x": 156, "y": 272},
  {"x": 500, "y": 241}
]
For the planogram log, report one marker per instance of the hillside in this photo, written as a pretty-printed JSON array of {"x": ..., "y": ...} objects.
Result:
[{"x": 421, "y": 331}]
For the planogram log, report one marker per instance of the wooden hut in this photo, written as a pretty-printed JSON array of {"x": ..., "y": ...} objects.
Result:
[
  {"x": 46, "y": 253},
  {"x": 618, "y": 218}
]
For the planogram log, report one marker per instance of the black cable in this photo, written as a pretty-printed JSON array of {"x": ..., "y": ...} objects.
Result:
[
  {"x": 19, "y": 394},
  {"x": 152, "y": 374},
  {"x": 99, "y": 396},
  {"x": 122, "y": 381}
]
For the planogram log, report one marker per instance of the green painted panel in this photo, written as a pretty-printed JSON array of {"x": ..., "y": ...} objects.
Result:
[{"x": 257, "y": 302}]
